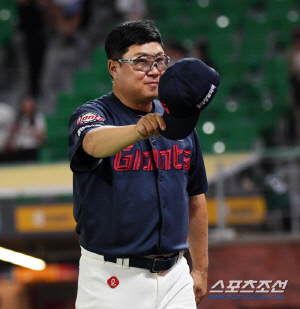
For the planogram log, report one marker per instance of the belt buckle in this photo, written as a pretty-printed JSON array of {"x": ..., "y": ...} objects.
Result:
[{"x": 152, "y": 270}]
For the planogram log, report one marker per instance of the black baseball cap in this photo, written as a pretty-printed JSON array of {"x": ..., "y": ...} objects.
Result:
[{"x": 185, "y": 89}]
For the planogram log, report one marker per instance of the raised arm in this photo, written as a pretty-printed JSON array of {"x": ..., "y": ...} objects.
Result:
[{"x": 107, "y": 141}]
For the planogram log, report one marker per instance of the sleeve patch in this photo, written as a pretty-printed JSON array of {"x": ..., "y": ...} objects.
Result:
[
  {"x": 81, "y": 129},
  {"x": 89, "y": 117}
]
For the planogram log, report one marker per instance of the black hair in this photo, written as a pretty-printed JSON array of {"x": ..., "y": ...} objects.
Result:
[{"x": 136, "y": 32}]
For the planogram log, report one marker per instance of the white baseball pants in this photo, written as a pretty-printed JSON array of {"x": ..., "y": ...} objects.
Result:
[{"x": 105, "y": 285}]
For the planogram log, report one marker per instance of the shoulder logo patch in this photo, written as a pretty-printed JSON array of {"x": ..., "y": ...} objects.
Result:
[{"x": 89, "y": 117}]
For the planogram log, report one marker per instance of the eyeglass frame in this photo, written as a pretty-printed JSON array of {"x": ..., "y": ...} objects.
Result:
[{"x": 152, "y": 65}]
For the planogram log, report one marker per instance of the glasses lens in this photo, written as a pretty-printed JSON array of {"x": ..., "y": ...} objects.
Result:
[
  {"x": 145, "y": 63},
  {"x": 162, "y": 62},
  {"x": 142, "y": 64}
]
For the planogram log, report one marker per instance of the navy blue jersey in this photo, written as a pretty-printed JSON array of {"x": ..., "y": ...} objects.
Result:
[{"x": 136, "y": 202}]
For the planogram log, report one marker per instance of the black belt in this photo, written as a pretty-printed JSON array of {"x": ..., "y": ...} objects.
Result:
[{"x": 155, "y": 265}]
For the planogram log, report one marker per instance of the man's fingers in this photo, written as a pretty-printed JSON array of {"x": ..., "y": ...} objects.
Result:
[
  {"x": 200, "y": 286},
  {"x": 143, "y": 129},
  {"x": 161, "y": 121},
  {"x": 199, "y": 296},
  {"x": 150, "y": 124},
  {"x": 149, "y": 127}
]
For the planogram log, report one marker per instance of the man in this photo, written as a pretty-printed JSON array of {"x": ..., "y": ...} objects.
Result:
[{"x": 137, "y": 194}]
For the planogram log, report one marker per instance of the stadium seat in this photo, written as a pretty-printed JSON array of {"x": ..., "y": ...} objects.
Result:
[
  {"x": 253, "y": 92},
  {"x": 99, "y": 58},
  {"x": 56, "y": 147},
  {"x": 8, "y": 15}
]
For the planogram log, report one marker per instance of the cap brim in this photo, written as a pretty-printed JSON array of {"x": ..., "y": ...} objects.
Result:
[{"x": 179, "y": 128}]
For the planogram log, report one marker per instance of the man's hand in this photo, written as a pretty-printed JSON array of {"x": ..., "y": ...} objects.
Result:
[
  {"x": 149, "y": 125},
  {"x": 200, "y": 284}
]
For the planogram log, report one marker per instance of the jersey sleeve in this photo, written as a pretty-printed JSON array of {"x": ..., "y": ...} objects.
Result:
[
  {"x": 197, "y": 183},
  {"x": 84, "y": 119}
]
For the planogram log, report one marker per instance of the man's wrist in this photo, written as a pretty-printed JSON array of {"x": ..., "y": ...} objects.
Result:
[
  {"x": 200, "y": 270},
  {"x": 138, "y": 135}
]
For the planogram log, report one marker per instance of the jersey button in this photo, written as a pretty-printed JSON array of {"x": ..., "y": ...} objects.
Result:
[
  {"x": 160, "y": 179},
  {"x": 154, "y": 141},
  {"x": 164, "y": 205}
]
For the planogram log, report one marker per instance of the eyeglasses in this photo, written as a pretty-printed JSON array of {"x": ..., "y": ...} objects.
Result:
[{"x": 145, "y": 63}]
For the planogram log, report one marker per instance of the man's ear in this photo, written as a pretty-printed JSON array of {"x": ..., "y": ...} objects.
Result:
[{"x": 112, "y": 68}]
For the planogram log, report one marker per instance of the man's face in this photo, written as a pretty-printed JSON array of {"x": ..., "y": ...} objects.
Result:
[{"x": 136, "y": 86}]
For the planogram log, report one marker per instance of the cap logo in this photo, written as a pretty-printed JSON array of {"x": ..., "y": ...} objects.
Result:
[
  {"x": 208, "y": 97},
  {"x": 164, "y": 105}
]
